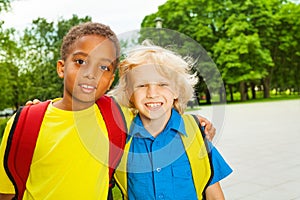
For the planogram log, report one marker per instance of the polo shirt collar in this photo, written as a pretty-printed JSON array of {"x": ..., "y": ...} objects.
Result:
[{"x": 175, "y": 123}]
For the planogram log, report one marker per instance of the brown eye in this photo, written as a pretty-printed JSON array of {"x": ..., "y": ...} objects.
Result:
[{"x": 80, "y": 61}]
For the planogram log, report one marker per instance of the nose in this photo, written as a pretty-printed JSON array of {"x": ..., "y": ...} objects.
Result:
[
  {"x": 91, "y": 71},
  {"x": 152, "y": 91}
]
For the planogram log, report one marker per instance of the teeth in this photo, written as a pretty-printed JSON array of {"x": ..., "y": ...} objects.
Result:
[
  {"x": 152, "y": 105},
  {"x": 87, "y": 87}
]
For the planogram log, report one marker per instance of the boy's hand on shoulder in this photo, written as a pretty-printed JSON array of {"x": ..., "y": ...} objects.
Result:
[
  {"x": 34, "y": 102},
  {"x": 6, "y": 196},
  {"x": 209, "y": 130}
]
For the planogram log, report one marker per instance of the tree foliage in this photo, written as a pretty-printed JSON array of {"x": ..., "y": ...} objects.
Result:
[
  {"x": 255, "y": 44},
  {"x": 4, "y": 5},
  {"x": 28, "y": 61}
]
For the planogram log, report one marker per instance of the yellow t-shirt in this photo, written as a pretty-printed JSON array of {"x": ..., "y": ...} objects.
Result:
[{"x": 70, "y": 159}]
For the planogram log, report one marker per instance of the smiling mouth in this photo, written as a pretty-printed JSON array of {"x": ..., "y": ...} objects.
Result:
[
  {"x": 153, "y": 105},
  {"x": 87, "y": 88}
]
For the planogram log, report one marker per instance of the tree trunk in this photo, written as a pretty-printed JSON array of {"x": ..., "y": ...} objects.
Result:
[
  {"x": 246, "y": 91},
  {"x": 197, "y": 95},
  {"x": 242, "y": 91},
  {"x": 222, "y": 93},
  {"x": 253, "y": 90},
  {"x": 208, "y": 97},
  {"x": 231, "y": 93},
  {"x": 266, "y": 85}
]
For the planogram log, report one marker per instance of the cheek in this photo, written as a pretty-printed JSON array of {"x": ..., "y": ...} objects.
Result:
[
  {"x": 104, "y": 80},
  {"x": 129, "y": 93},
  {"x": 172, "y": 89},
  {"x": 72, "y": 73},
  {"x": 69, "y": 78},
  {"x": 169, "y": 92},
  {"x": 136, "y": 98}
]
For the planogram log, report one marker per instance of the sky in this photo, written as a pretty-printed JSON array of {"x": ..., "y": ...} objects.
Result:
[{"x": 121, "y": 15}]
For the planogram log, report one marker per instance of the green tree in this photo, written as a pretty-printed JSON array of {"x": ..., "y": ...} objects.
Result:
[
  {"x": 253, "y": 42},
  {"x": 239, "y": 53},
  {"x": 4, "y": 5},
  {"x": 286, "y": 49},
  {"x": 28, "y": 61},
  {"x": 9, "y": 71},
  {"x": 194, "y": 18},
  {"x": 6, "y": 44}
]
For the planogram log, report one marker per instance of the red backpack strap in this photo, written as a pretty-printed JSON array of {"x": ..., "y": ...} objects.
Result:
[
  {"x": 116, "y": 128},
  {"x": 21, "y": 144}
]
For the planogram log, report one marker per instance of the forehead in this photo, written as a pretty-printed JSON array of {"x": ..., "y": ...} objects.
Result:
[
  {"x": 146, "y": 73},
  {"x": 95, "y": 46}
]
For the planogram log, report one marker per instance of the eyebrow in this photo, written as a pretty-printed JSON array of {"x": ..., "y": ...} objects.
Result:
[
  {"x": 87, "y": 55},
  {"x": 152, "y": 82},
  {"x": 107, "y": 59},
  {"x": 79, "y": 53}
]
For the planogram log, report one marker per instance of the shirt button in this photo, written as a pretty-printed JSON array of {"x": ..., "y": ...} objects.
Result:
[
  {"x": 161, "y": 196},
  {"x": 158, "y": 169}
]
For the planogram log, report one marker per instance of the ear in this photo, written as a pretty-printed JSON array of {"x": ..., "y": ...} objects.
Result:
[{"x": 60, "y": 68}]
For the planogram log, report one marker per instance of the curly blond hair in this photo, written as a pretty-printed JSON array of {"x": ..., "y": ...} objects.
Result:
[{"x": 168, "y": 64}]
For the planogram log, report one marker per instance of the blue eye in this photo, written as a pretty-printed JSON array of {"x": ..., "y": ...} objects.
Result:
[
  {"x": 104, "y": 68},
  {"x": 163, "y": 84}
]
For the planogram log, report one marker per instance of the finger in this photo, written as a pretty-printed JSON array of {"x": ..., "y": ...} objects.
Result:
[
  {"x": 208, "y": 134},
  {"x": 36, "y": 101},
  {"x": 209, "y": 131},
  {"x": 208, "y": 127},
  {"x": 28, "y": 103},
  {"x": 212, "y": 133},
  {"x": 203, "y": 119}
]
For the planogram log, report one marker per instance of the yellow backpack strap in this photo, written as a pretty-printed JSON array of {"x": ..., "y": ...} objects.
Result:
[
  {"x": 128, "y": 115},
  {"x": 121, "y": 171},
  {"x": 198, "y": 155}
]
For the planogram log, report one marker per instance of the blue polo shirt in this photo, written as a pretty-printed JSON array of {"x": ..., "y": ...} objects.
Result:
[{"x": 158, "y": 168}]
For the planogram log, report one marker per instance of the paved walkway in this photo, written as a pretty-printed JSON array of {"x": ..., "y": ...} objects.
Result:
[{"x": 261, "y": 142}]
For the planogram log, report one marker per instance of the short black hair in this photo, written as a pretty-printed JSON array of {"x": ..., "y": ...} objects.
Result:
[{"x": 88, "y": 28}]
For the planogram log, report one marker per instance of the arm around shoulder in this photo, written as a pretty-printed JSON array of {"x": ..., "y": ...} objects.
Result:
[
  {"x": 209, "y": 130},
  {"x": 6, "y": 196}
]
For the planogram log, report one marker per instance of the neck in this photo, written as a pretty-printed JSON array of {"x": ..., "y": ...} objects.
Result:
[
  {"x": 155, "y": 126},
  {"x": 71, "y": 105}
]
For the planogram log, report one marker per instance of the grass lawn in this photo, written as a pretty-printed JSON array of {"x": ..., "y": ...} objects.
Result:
[
  {"x": 273, "y": 97},
  {"x": 259, "y": 98}
]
